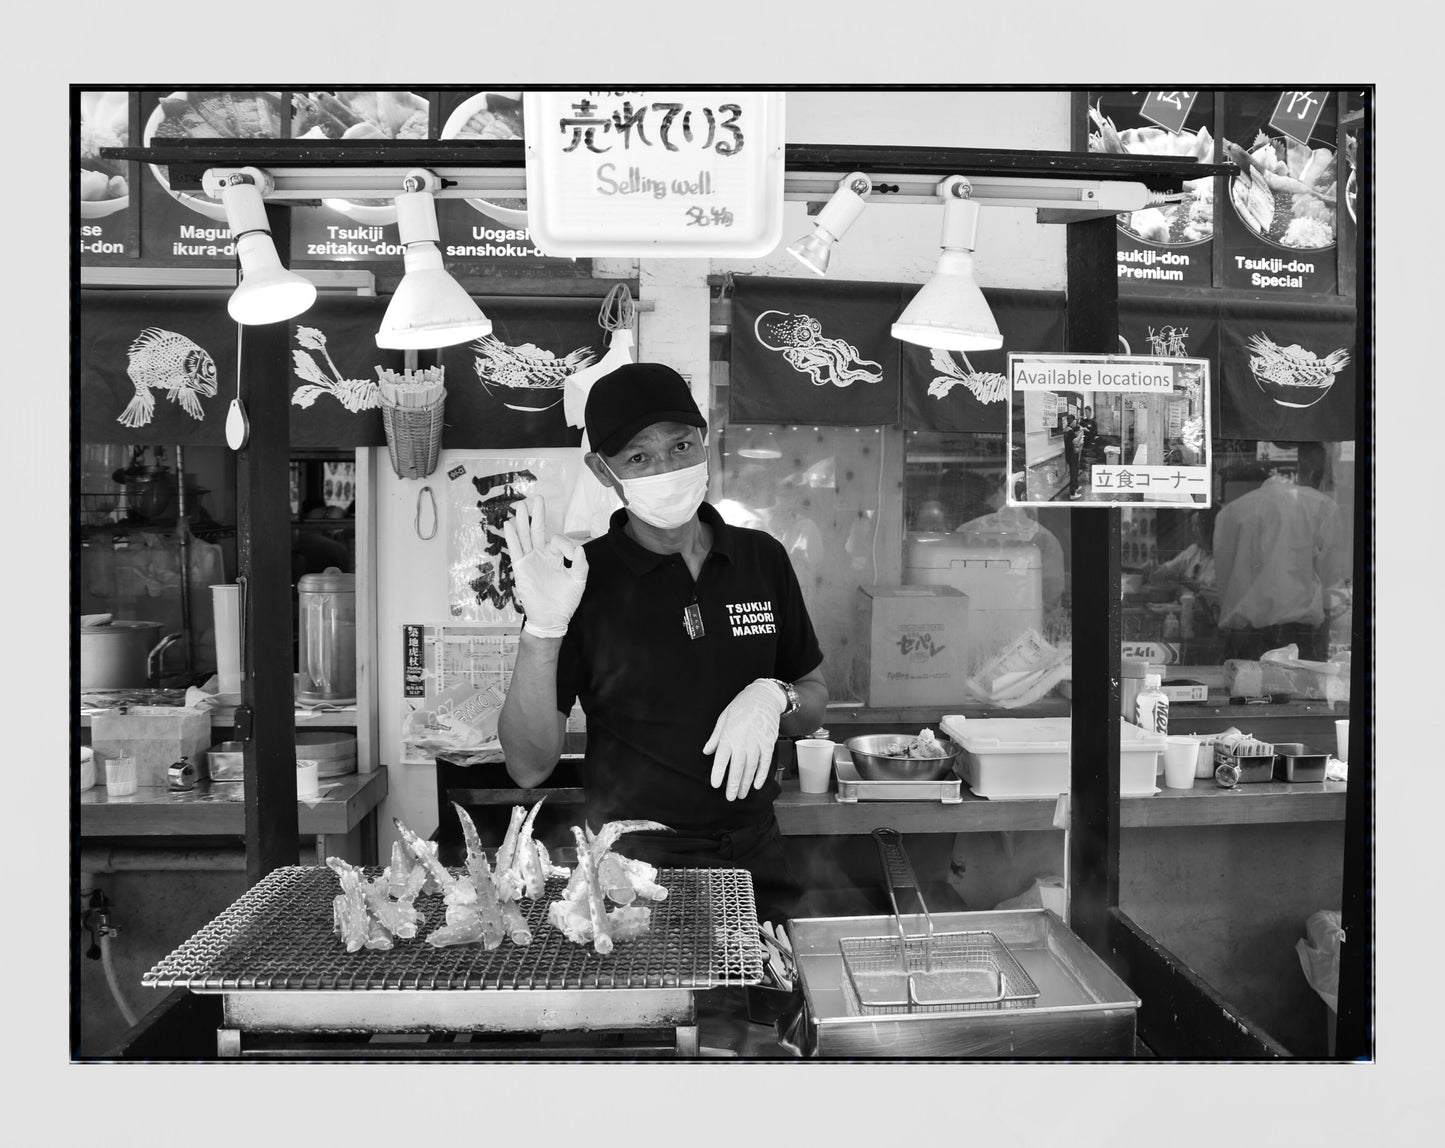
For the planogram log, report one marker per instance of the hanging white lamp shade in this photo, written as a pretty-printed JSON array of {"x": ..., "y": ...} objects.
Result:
[
  {"x": 268, "y": 292},
  {"x": 815, "y": 249},
  {"x": 429, "y": 308},
  {"x": 950, "y": 311}
]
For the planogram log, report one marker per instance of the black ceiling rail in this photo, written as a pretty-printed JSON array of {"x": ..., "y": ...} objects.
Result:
[{"x": 187, "y": 159}]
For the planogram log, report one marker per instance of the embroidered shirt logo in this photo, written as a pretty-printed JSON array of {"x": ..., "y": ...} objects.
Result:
[{"x": 751, "y": 618}]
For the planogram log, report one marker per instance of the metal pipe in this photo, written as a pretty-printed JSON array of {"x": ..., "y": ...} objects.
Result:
[
  {"x": 122, "y": 859},
  {"x": 183, "y": 534}
]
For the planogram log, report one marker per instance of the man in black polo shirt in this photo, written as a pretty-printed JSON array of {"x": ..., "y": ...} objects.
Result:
[{"x": 686, "y": 640}]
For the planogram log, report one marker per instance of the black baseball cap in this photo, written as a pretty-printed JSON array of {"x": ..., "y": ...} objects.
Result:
[{"x": 633, "y": 397}]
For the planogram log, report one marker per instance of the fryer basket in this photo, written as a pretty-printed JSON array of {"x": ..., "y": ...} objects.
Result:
[{"x": 929, "y": 972}]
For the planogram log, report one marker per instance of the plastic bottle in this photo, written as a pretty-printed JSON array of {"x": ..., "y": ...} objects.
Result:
[
  {"x": 1152, "y": 706},
  {"x": 1131, "y": 681},
  {"x": 1186, "y": 614}
]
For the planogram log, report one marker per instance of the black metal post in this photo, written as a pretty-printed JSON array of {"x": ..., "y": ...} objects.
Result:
[
  {"x": 265, "y": 721},
  {"x": 1354, "y": 1032},
  {"x": 1092, "y": 327}
]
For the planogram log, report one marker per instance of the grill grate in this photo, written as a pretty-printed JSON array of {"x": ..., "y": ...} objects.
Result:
[{"x": 278, "y": 936}]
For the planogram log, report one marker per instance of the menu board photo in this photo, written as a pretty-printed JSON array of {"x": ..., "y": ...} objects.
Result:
[
  {"x": 107, "y": 225},
  {"x": 1279, "y": 231},
  {"x": 1170, "y": 243}
]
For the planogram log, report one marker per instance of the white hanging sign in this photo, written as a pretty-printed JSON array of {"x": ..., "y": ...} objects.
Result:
[{"x": 637, "y": 174}]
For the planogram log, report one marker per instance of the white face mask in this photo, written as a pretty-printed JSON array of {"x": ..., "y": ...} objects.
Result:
[{"x": 666, "y": 500}]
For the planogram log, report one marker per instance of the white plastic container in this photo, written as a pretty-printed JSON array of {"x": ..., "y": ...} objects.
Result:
[{"x": 1029, "y": 757}]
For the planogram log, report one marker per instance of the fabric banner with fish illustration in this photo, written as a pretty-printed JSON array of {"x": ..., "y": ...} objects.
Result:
[
  {"x": 481, "y": 492},
  {"x": 1287, "y": 372},
  {"x": 805, "y": 351},
  {"x": 1278, "y": 224},
  {"x": 504, "y": 390},
  {"x": 155, "y": 366},
  {"x": 335, "y": 393},
  {"x": 968, "y": 391},
  {"x": 1169, "y": 245}
]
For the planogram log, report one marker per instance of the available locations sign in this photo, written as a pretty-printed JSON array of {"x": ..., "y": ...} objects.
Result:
[
  {"x": 1096, "y": 430},
  {"x": 633, "y": 173}
]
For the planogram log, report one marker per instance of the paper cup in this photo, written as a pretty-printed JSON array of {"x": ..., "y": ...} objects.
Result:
[
  {"x": 308, "y": 778},
  {"x": 1181, "y": 755},
  {"x": 1342, "y": 739},
  {"x": 815, "y": 764},
  {"x": 1204, "y": 767},
  {"x": 120, "y": 777},
  {"x": 226, "y": 606}
]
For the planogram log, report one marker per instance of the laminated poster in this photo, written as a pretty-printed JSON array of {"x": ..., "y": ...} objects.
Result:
[
  {"x": 454, "y": 683},
  {"x": 481, "y": 492},
  {"x": 1097, "y": 430}
]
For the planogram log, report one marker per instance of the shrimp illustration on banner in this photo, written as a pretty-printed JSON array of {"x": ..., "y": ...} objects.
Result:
[
  {"x": 529, "y": 377},
  {"x": 162, "y": 360},
  {"x": 985, "y": 386},
  {"x": 800, "y": 340}
]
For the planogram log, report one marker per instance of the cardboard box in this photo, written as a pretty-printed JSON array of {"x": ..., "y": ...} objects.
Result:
[
  {"x": 1185, "y": 692},
  {"x": 155, "y": 736},
  {"x": 912, "y": 648}
]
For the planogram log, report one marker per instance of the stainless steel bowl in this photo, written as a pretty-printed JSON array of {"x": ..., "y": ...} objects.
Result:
[{"x": 872, "y": 766}]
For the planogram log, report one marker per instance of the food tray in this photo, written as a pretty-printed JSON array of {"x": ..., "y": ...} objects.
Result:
[
  {"x": 1016, "y": 758},
  {"x": 1296, "y": 762},
  {"x": 852, "y": 787},
  {"x": 1253, "y": 769}
]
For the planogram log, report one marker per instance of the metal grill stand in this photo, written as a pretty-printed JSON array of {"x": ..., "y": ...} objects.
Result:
[{"x": 289, "y": 988}]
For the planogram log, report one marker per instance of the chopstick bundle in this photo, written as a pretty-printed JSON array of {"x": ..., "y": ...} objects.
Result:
[{"x": 412, "y": 388}]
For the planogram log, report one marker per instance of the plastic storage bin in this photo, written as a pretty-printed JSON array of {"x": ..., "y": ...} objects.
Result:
[{"x": 1029, "y": 757}]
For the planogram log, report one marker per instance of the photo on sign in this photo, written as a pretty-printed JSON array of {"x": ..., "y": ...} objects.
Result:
[{"x": 1099, "y": 430}]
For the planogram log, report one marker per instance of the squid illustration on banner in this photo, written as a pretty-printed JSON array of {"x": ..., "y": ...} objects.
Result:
[
  {"x": 482, "y": 492},
  {"x": 801, "y": 342}
]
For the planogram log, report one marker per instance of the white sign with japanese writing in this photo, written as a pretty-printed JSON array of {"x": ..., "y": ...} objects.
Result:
[
  {"x": 635, "y": 174},
  {"x": 1131, "y": 429}
]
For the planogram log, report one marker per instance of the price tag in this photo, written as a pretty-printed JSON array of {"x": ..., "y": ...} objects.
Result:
[
  {"x": 1169, "y": 109},
  {"x": 635, "y": 174},
  {"x": 1297, "y": 113}
]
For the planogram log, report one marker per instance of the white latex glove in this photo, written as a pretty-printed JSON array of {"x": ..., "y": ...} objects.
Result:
[
  {"x": 547, "y": 590},
  {"x": 743, "y": 737}
]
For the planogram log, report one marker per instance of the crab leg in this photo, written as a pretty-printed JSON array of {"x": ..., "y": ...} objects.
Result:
[
  {"x": 601, "y": 938},
  {"x": 488, "y": 907}
]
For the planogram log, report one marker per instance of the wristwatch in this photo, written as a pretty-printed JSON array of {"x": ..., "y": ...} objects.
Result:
[{"x": 794, "y": 702}]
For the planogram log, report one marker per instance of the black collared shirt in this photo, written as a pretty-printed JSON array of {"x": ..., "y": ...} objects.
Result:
[{"x": 652, "y": 694}]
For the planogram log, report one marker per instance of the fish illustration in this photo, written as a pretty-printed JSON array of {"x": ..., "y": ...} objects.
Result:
[
  {"x": 801, "y": 342},
  {"x": 167, "y": 361},
  {"x": 527, "y": 368},
  {"x": 985, "y": 386}
]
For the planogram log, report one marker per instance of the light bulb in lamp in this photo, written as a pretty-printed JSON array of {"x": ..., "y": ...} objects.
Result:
[
  {"x": 268, "y": 292},
  {"x": 839, "y": 214},
  {"x": 949, "y": 311},
  {"x": 429, "y": 308}
]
